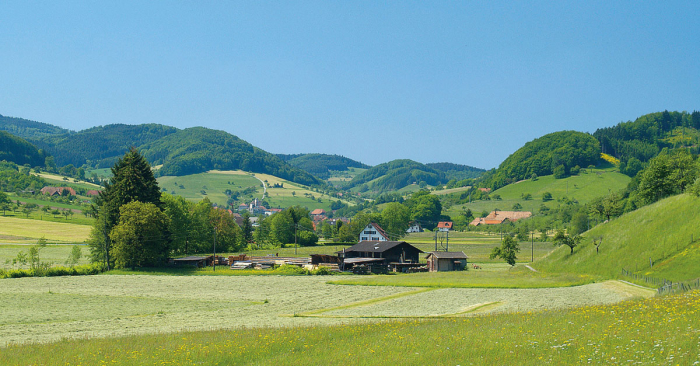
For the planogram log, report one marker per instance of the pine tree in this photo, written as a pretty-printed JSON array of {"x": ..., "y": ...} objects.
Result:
[{"x": 132, "y": 180}]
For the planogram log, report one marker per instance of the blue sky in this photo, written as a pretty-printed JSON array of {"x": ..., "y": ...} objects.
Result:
[{"x": 466, "y": 82}]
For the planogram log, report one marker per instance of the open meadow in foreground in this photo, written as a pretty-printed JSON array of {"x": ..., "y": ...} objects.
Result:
[{"x": 121, "y": 305}]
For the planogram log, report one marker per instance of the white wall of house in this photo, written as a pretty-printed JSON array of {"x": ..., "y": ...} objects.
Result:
[{"x": 370, "y": 233}]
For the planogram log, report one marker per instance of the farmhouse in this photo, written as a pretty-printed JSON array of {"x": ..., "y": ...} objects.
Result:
[
  {"x": 53, "y": 191},
  {"x": 92, "y": 193},
  {"x": 444, "y": 226},
  {"x": 499, "y": 217},
  {"x": 318, "y": 212},
  {"x": 372, "y": 232},
  {"x": 446, "y": 261},
  {"x": 414, "y": 228}
]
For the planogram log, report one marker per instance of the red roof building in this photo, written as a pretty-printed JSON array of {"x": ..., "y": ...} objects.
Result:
[{"x": 444, "y": 225}]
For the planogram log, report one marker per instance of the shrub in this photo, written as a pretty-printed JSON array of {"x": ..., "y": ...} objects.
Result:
[{"x": 286, "y": 269}]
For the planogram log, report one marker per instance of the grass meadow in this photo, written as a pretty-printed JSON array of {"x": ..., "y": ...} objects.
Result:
[
  {"x": 658, "y": 331},
  {"x": 583, "y": 188},
  {"x": 660, "y": 233},
  {"x": 55, "y": 254},
  {"x": 215, "y": 182},
  {"x": 22, "y": 230}
]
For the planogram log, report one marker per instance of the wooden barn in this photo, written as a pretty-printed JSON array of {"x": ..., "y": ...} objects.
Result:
[
  {"x": 380, "y": 252},
  {"x": 446, "y": 261}
]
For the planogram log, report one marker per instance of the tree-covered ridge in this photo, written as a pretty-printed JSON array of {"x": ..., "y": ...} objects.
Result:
[
  {"x": 556, "y": 152},
  {"x": 457, "y": 171},
  {"x": 30, "y": 130},
  {"x": 397, "y": 174},
  {"x": 20, "y": 151},
  {"x": 647, "y": 135},
  {"x": 198, "y": 149},
  {"x": 101, "y": 146},
  {"x": 320, "y": 165}
]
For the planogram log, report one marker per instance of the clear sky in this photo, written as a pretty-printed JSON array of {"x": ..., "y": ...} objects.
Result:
[{"x": 467, "y": 82}]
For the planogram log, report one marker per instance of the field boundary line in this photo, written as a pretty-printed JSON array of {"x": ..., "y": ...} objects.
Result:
[
  {"x": 472, "y": 309},
  {"x": 318, "y": 312}
]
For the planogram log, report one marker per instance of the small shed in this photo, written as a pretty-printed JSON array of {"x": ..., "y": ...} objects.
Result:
[
  {"x": 446, "y": 261},
  {"x": 196, "y": 261}
]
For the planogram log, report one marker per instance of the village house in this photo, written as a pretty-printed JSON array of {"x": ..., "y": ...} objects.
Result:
[
  {"x": 446, "y": 261},
  {"x": 92, "y": 193},
  {"x": 444, "y": 226},
  {"x": 318, "y": 212},
  {"x": 498, "y": 217},
  {"x": 372, "y": 232}
]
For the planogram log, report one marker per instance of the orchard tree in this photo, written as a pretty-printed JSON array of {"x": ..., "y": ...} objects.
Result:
[
  {"x": 560, "y": 238},
  {"x": 507, "y": 251}
]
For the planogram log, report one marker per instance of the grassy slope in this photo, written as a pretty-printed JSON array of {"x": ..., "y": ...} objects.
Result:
[
  {"x": 662, "y": 231},
  {"x": 216, "y": 182},
  {"x": 583, "y": 187}
]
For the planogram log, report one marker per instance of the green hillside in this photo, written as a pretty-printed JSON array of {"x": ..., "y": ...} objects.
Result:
[
  {"x": 555, "y": 153},
  {"x": 666, "y": 232},
  {"x": 584, "y": 187},
  {"x": 321, "y": 165},
  {"x": 20, "y": 151},
  {"x": 101, "y": 146},
  {"x": 644, "y": 138},
  {"x": 395, "y": 175},
  {"x": 198, "y": 149},
  {"x": 30, "y": 130},
  {"x": 457, "y": 171}
]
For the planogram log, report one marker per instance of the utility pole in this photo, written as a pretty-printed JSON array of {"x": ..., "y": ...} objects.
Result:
[
  {"x": 532, "y": 242},
  {"x": 447, "y": 241},
  {"x": 295, "y": 239},
  {"x": 214, "y": 262}
]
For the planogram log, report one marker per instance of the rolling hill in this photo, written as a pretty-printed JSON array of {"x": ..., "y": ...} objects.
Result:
[
  {"x": 395, "y": 175},
  {"x": 180, "y": 152},
  {"x": 457, "y": 171},
  {"x": 660, "y": 240},
  {"x": 321, "y": 165}
]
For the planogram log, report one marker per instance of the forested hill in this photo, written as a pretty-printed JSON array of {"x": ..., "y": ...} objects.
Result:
[
  {"x": 29, "y": 130},
  {"x": 320, "y": 165},
  {"x": 193, "y": 150},
  {"x": 457, "y": 171},
  {"x": 395, "y": 175},
  {"x": 641, "y": 140},
  {"x": 556, "y": 152},
  {"x": 20, "y": 151},
  {"x": 198, "y": 149},
  {"x": 101, "y": 146}
]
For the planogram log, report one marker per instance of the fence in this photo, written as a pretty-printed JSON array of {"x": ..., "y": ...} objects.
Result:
[{"x": 663, "y": 285}]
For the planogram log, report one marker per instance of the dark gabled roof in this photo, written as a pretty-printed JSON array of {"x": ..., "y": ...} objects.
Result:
[
  {"x": 376, "y": 246},
  {"x": 448, "y": 255}
]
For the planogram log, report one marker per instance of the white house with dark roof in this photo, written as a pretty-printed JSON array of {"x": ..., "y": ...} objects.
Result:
[{"x": 372, "y": 232}]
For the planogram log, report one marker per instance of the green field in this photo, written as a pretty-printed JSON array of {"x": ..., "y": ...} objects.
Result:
[
  {"x": 661, "y": 232},
  {"x": 20, "y": 230},
  {"x": 60, "y": 180},
  {"x": 337, "y": 177},
  {"x": 215, "y": 182},
  {"x": 583, "y": 188}
]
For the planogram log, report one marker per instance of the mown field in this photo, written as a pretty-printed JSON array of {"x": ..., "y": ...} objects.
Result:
[
  {"x": 583, "y": 188},
  {"x": 21, "y": 230},
  {"x": 126, "y": 305},
  {"x": 653, "y": 331},
  {"x": 54, "y": 254}
]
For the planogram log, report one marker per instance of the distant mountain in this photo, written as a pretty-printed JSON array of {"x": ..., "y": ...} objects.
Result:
[
  {"x": 542, "y": 155},
  {"x": 457, "y": 171},
  {"x": 320, "y": 165},
  {"x": 395, "y": 175},
  {"x": 30, "y": 130},
  {"x": 198, "y": 149},
  {"x": 20, "y": 151}
]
